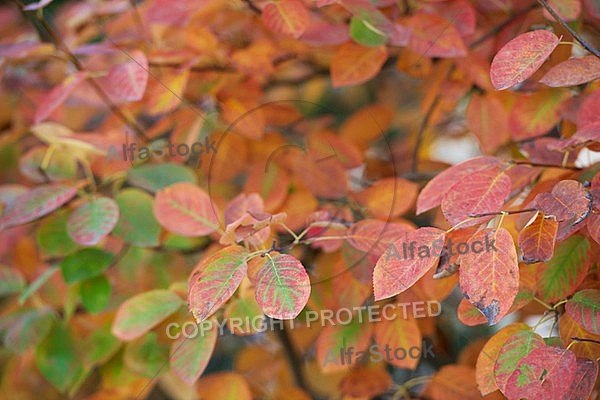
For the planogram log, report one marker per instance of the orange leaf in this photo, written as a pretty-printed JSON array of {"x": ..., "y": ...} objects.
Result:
[
  {"x": 389, "y": 197},
  {"x": 434, "y": 36},
  {"x": 354, "y": 64},
  {"x": 520, "y": 58},
  {"x": 489, "y": 278},
  {"x": 401, "y": 332},
  {"x": 289, "y": 17},
  {"x": 537, "y": 239},
  {"x": 185, "y": 209},
  {"x": 454, "y": 382},
  {"x": 406, "y": 261},
  {"x": 572, "y": 72},
  {"x": 488, "y": 120}
]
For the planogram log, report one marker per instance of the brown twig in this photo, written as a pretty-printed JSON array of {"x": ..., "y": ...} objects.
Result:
[{"x": 576, "y": 35}]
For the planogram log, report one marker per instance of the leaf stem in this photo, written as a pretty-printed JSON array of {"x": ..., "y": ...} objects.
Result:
[
  {"x": 576, "y": 35},
  {"x": 503, "y": 213},
  {"x": 546, "y": 305}
]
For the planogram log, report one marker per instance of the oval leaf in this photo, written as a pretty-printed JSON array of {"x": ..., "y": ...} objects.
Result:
[
  {"x": 289, "y": 17},
  {"x": 92, "y": 221},
  {"x": 572, "y": 72},
  {"x": 520, "y": 58},
  {"x": 537, "y": 239},
  {"x": 214, "y": 281},
  {"x": 190, "y": 356},
  {"x": 139, "y": 314},
  {"x": 282, "y": 286},
  {"x": 489, "y": 277},
  {"x": 584, "y": 308},
  {"x": 186, "y": 210},
  {"x": 354, "y": 64}
]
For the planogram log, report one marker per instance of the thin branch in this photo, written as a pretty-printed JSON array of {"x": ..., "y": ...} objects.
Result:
[
  {"x": 488, "y": 214},
  {"x": 532, "y": 164},
  {"x": 576, "y": 35},
  {"x": 578, "y": 339}
]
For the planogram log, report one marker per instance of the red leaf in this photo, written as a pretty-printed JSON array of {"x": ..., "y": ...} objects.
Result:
[
  {"x": 489, "y": 279},
  {"x": 282, "y": 286},
  {"x": 36, "y": 203},
  {"x": 434, "y": 36},
  {"x": 186, "y": 210},
  {"x": 488, "y": 120},
  {"x": 354, "y": 64},
  {"x": 545, "y": 373},
  {"x": 214, "y": 280},
  {"x": 374, "y": 236},
  {"x": 589, "y": 111},
  {"x": 400, "y": 267},
  {"x": 584, "y": 379},
  {"x": 584, "y": 308},
  {"x": 432, "y": 194},
  {"x": 537, "y": 239},
  {"x": 289, "y": 17},
  {"x": 58, "y": 95},
  {"x": 128, "y": 81},
  {"x": 479, "y": 193},
  {"x": 521, "y": 57},
  {"x": 572, "y": 72}
]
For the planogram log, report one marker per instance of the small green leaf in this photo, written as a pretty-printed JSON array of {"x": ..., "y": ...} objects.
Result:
[
  {"x": 146, "y": 356},
  {"x": 57, "y": 358},
  {"x": 52, "y": 237},
  {"x": 190, "y": 356},
  {"x": 143, "y": 312},
  {"x": 137, "y": 224},
  {"x": 95, "y": 293},
  {"x": 100, "y": 346},
  {"x": 85, "y": 264},
  {"x": 154, "y": 177},
  {"x": 364, "y": 33}
]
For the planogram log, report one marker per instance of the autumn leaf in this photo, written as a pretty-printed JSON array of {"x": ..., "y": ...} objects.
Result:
[
  {"x": 189, "y": 357},
  {"x": 433, "y": 193},
  {"x": 434, "y": 36},
  {"x": 140, "y": 313},
  {"x": 58, "y": 95},
  {"x": 520, "y": 58},
  {"x": 406, "y": 261},
  {"x": 354, "y": 64},
  {"x": 399, "y": 331},
  {"x": 127, "y": 81},
  {"x": 186, "y": 209},
  {"x": 584, "y": 308},
  {"x": 487, "y": 119},
  {"x": 573, "y": 72},
  {"x": 93, "y": 220},
  {"x": 282, "y": 286},
  {"x": 537, "y": 238},
  {"x": 546, "y": 372},
  {"x": 214, "y": 280},
  {"x": 289, "y": 17},
  {"x": 514, "y": 349},
  {"x": 489, "y": 276}
]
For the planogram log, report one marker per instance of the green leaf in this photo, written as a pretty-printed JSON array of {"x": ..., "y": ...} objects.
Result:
[
  {"x": 143, "y": 312},
  {"x": 137, "y": 224},
  {"x": 366, "y": 34},
  {"x": 154, "y": 177},
  {"x": 95, "y": 293},
  {"x": 52, "y": 237},
  {"x": 28, "y": 329},
  {"x": 190, "y": 356},
  {"x": 145, "y": 356},
  {"x": 85, "y": 264},
  {"x": 584, "y": 308},
  {"x": 100, "y": 346},
  {"x": 561, "y": 276},
  {"x": 11, "y": 281},
  {"x": 57, "y": 358}
]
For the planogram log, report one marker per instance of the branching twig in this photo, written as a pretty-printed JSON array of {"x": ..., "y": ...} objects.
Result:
[{"x": 576, "y": 35}]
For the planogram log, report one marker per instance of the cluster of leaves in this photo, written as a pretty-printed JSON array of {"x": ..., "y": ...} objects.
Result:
[{"x": 299, "y": 207}]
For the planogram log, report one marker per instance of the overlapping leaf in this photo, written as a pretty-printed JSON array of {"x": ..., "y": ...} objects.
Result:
[
  {"x": 514, "y": 349},
  {"x": 490, "y": 279},
  {"x": 58, "y": 95},
  {"x": 584, "y": 307},
  {"x": 186, "y": 209},
  {"x": 214, "y": 281},
  {"x": 189, "y": 357},
  {"x": 399, "y": 267},
  {"x": 93, "y": 220},
  {"x": 537, "y": 239},
  {"x": 573, "y": 72},
  {"x": 289, "y": 17},
  {"x": 354, "y": 64}
]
